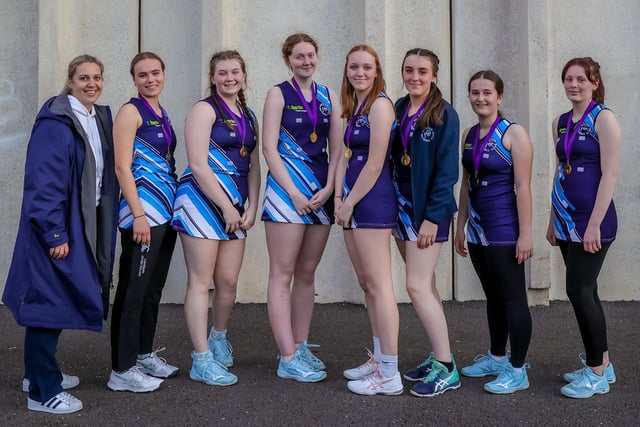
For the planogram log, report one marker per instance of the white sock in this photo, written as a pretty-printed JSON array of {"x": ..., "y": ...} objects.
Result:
[
  {"x": 376, "y": 348},
  {"x": 388, "y": 365}
]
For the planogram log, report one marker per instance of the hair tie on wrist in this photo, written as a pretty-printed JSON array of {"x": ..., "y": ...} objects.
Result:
[{"x": 138, "y": 216}]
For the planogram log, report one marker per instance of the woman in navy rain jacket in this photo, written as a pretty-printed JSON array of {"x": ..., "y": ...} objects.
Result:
[{"x": 62, "y": 261}]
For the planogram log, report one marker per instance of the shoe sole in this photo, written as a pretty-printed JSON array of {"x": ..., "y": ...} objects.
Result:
[
  {"x": 569, "y": 382},
  {"x": 490, "y": 374},
  {"x": 584, "y": 397},
  {"x": 40, "y": 408},
  {"x": 301, "y": 380},
  {"x": 506, "y": 391},
  {"x": 150, "y": 373},
  {"x": 415, "y": 380},
  {"x": 202, "y": 380},
  {"x": 389, "y": 393},
  {"x": 437, "y": 393},
  {"x": 114, "y": 387}
]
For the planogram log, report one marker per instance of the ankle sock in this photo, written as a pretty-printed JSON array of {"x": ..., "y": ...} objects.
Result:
[{"x": 388, "y": 365}]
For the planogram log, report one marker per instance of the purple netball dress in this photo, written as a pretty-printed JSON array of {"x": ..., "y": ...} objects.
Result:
[
  {"x": 575, "y": 187},
  {"x": 378, "y": 208},
  {"x": 493, "y": 213}
]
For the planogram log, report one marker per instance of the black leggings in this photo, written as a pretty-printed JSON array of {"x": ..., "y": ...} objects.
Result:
[
  {"x": 583, "y": 269},
  {"x": 142, "y": 275},
  {"x": 503, "y": 282}
]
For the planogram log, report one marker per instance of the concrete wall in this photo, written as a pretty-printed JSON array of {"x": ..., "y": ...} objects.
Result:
[{"x": 526, "y": 42}]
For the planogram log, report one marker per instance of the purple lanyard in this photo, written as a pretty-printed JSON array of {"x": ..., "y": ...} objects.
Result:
[
  {"x": 570, "y": 139},
  {"x": 347, "y": 137},
  {"x": 240, "y": 120},
  {"x": 313, "y": 111},
  {"x": 163, "y": 121},
  {"x": 477, "y": 151},
  {"x": 407, "y": 123}
]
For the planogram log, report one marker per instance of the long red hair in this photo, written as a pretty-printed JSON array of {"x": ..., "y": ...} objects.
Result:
[{"x": 348, "y": 93}]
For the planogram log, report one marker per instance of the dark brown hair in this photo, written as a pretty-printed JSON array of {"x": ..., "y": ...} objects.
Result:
[
  {"x": 491, "y": 76},
  {"x": 434, "y": 111}
]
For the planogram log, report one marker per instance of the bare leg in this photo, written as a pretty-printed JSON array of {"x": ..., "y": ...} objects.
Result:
[
  {"x": 374, "y": 255},
  {"x": 200, "y": 256},
  {"x": 283, "y": 243},
  {"x": 225, "y": 278},
  {"x": 303, "y": 291},
  {"x": 421, "y": 287}
]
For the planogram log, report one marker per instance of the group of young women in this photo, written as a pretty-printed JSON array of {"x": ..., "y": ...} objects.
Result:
[{"x": 373, "y": 167}]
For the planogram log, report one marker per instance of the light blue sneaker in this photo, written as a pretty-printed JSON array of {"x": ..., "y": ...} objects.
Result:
[
  {"x": 221, "y": 348},
  {"x": 586, "y": 385},
  {"x": 609, "y": 373},
  {"x": 484, "y": 365},
  {"x": 437, "y": 381},
  {"x": 309, "y": 357},
  {"x": 509, "y": 381},
  {"x": 209, "y": 371},
  {"x": 298, "y": 369}
]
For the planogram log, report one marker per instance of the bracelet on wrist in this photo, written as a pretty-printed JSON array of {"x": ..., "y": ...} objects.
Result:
[{"x": 138, "y": 216}]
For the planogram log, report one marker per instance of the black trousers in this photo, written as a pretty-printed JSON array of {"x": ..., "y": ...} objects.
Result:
[
  {"x": 143, "y": 273},
  {"x": 583, "y": 269},
  {"x": 504, "y": 285},
  {"x": 40, "y": 363}
]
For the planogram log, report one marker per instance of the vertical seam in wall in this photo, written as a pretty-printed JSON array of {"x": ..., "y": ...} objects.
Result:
[
  {"x": 453, "y": 222},
  {"x": 139, "y": 25}
]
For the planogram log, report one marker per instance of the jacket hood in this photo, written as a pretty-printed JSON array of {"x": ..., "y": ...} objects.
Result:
[{"x": 57, "y": 108}]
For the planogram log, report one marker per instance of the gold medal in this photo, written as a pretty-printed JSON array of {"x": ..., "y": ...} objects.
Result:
[
  {"x": 348, "y": 153},
  {"x": 243, "y": 151},
  {"x": 405, "y": 159},
  {"x": 313, "y": 137},
  {"x": 567, "y": 169}
]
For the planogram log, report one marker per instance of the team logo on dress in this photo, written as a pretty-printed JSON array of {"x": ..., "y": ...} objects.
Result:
[
  {"x": 324, "y": 109},
  {"x": 491, "y": 145},
  {"x": 362, "y": 122},
  {"x": 427, "y": 134}
]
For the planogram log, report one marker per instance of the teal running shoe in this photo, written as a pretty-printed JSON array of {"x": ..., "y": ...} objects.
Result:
[
  {"x": 207, "y": 370},
  {"x": 484, "y": 365},
  {"x": 586, "y": 385},
  {"x": 437, "y": 381},
  {"x": 609, "y": 373},
  {"x": 509, "y": 381},
  {"x": 221, "y": 348},
  {"x": 310, "y": 358},
  {"x": 421, "y": 371},
  {"x": 298, "y": 369}
]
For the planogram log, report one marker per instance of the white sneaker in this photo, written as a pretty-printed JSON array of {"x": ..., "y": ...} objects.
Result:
[
  {"x": 377, "y": 384},
  {"x": 366, "y": 369},
  {"x": 156, "y": 366},
  {"x": 68, "y": 381},
  {"x": 133, "y": 380},
  {"x": 61, "y": 403}
]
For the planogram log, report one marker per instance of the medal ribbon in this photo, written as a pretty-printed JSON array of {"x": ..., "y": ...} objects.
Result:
[
  {"x": 478, "y": 147},
  {"x": 164, "y": 120},
  {"x": 349, "y": 133},
  {"x": 240, "y": 120},
  {"x": 407, "y": 123},
  {"x": 313, "y": 111},
  {"x": 570, "y": 139}
]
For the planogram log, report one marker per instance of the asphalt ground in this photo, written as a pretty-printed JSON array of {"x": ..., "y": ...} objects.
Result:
[{"x": 262, "y": 399}]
